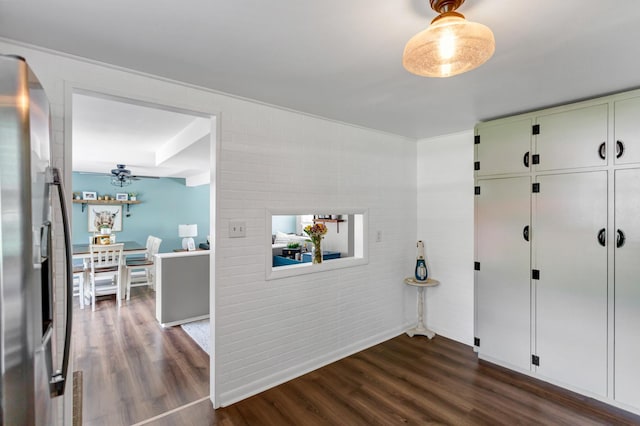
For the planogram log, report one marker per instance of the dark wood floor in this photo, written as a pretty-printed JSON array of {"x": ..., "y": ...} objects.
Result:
[
  {"x": 132, "y": 369},
  {"x": 416, "y": 381},
  {"x": 401, "y": 381}
]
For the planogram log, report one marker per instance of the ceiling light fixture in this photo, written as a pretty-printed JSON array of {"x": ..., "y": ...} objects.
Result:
[
  {"x": 450, "y": 46},
  {"x": 120, "y": 181},
  {"x": 120, "y": 176}
]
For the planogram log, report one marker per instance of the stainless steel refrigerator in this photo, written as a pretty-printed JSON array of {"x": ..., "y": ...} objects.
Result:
[{"x": 33, "y": 374}]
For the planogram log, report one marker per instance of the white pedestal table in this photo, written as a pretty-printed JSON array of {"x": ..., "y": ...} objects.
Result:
[{"x": 421, "y": 328}]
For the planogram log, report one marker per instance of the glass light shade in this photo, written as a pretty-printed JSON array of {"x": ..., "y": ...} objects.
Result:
[
  {"x": 451, "y": 45},
  {"x": 115, "y": 181}
]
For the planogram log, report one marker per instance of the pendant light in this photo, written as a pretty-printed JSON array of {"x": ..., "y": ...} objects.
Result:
[{"x": 450, "y": 46}]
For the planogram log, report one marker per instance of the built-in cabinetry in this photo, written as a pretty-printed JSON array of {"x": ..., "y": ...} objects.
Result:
[
  {"x": 503, "y": 215},
  {"x": 557, "y": 246},
  {"x": 569, "y": 251},
  {"x": 627, "y": 286}
]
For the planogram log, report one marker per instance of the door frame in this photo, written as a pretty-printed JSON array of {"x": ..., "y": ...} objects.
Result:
[{"x": 167, "y": 103}]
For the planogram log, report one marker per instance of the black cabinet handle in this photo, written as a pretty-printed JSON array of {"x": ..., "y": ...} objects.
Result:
[
  {"x": 526, "y": 159},
  {"x": 619, "y": 149},
  {"x": 525, "y": 233},
  {"x": 602, "y": 237},
  {"x": 602, "y": 150},
  {"x": 620, "y": 239}
]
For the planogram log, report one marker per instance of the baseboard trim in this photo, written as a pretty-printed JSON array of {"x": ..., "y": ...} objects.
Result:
[{"x": 183, "y": 321}]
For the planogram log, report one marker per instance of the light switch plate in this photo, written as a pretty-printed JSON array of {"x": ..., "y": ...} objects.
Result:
[{"x": 237, "y": 229}]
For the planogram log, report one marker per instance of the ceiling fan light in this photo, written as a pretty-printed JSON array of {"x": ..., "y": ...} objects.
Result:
[
  {"x": 450, "y": 46},
  {"x": 120, "y": 181}
]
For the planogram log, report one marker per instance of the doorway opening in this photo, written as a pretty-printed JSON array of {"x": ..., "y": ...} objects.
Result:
[{"x": 169, "y": 154}]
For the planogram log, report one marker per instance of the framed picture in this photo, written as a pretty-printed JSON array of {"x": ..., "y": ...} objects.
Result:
[
  {"x": 122, "y": 196},
  {"x": 105, "y": 215},
  {"x": 86, "y": 195}
]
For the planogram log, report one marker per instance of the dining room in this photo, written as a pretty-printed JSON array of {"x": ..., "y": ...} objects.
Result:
[{"x": 130, "y": 203}]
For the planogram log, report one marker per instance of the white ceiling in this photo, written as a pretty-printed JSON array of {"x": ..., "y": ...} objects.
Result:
[
  {"x": 341, "y": 59},
  {"x": 150, "y": 141}
]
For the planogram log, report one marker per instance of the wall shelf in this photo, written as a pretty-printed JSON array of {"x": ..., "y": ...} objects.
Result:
[
  {"x": 104, "y": 202},
  {"x": 336, "y": 221}
]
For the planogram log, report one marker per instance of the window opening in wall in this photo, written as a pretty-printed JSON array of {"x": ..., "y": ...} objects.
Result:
[{"x": 293, "y": 251}]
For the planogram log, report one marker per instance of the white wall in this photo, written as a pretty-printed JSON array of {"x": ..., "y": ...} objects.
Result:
[
  {"x": 337, "y": 237},
  {"x": 445, "y": 224},
  {"x": 270, "y": 331}
]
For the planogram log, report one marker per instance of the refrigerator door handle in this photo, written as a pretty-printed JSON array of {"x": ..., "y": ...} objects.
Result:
[{"x": 57, "y": 382}]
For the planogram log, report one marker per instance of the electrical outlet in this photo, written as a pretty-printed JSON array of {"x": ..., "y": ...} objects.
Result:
[
  {"x": 237, "y": 229},
  {"x": 378, "y": 236}
]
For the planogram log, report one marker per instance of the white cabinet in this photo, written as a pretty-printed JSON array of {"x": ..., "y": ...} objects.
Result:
[
  {"x": 503, "y": 148},
  {"x": 569, "y": 236},
  {"x": 572, "y": 139},
  {"x": 565, "y": 306},
  {"x": 627, "y": 130},
  {"x": 627, "y": 287},
  {"x": 503, "y": 317}
]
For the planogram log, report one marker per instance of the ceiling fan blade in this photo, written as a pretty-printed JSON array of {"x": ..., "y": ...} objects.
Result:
[
  {"x": 144, "y": 177},
  {"x": 94, "y": 173}
]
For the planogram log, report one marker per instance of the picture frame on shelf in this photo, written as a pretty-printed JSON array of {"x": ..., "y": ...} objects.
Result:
[
  {"x": 122, "y": 196},
  {"x": 89, "y": 195},
  {"x": 105, "y": 215}
]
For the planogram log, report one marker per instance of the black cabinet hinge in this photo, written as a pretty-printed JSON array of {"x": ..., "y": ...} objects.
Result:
[
  {"x": 476, "y": 266},
  {"x": 477, "y": 190},
  {"x": 535, "y": 360},
  {"x": 535, "y": 159},
  {"x": 476, "y": 341},
  {"x": 535, "y": 187},
  {"x": 535, "y": 274},
  {"x": 476, "y": 165},
  {"x": 476, "y": 139},
  {"x": 535, "y": 129}
]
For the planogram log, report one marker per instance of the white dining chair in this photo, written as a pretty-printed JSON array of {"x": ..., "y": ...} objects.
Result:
[
  {"x": 104, "y": 274},
  {"x": 142, "y": 271},
  {"x": 80, "y": 279}
]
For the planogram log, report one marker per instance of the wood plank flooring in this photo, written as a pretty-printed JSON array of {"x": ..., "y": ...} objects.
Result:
[
  {"x": 134, "y": 371},
  {"x": 416, "y": 381}
]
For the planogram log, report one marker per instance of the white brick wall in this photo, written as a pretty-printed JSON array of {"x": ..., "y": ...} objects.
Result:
[
  {"x": 271, "y": 331},
  {"x": 445, "y": 224}
]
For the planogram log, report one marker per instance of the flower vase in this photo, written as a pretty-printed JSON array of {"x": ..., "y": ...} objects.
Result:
[{"x": 316, "y": 253}]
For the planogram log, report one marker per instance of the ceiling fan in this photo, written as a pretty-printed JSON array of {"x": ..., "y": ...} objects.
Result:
[{"x": 121, "y": 176}]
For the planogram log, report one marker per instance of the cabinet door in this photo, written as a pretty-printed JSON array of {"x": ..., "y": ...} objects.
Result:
[
  {"x": 570, "y": 212},
  {"x": 502, "y": 147},
  {"x": 627, "y": 290},
  {"x": 627, "y": 131},
  {"x": 572, "y": 139},
  {"x": 503, "y": 320}
]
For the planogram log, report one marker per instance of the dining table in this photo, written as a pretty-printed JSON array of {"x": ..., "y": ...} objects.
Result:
[{"x": 131, "y": 248}]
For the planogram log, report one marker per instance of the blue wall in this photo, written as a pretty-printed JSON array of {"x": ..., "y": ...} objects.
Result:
[
  {"x": 164, "y": 204},
  {"x": 283, "y": 223}
]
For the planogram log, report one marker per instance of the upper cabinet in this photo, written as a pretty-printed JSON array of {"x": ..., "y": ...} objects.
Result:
[
  {"x": 566, "y": 139},
  {"x": 572, "y": 139},
  {"x": 503, "y": 148},
  {"x": 627, "y": 130}
]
